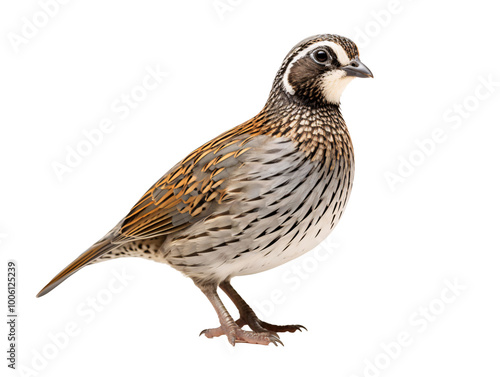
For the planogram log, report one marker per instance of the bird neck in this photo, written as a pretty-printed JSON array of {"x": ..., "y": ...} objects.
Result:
[{"x": 318, "y": 130}]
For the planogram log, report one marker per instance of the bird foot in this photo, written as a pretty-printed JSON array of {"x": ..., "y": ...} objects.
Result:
[
  {"x": 263, "y": 332},
  {"x": 236, "y": 334}
]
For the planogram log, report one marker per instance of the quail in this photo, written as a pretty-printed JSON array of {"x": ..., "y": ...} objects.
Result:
[{"x": 255, "y": 197}]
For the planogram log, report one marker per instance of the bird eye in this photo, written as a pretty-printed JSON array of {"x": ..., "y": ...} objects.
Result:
[{"x": 321, "y": 56}]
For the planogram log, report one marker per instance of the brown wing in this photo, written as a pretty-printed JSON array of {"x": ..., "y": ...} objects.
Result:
[{"x": 189, "y": 192}]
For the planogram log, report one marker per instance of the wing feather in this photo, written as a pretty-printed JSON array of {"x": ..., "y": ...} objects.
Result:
[{"x": 188, "y": 193}]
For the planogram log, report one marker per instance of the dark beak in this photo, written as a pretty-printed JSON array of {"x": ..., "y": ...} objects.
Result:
[{"x": 357, "y": 69}]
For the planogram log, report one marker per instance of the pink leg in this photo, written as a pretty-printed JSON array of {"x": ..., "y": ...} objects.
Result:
[{"x": 229, "y": 327}]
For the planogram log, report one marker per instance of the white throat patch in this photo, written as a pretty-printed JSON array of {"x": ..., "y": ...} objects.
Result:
[{"x": 335, "y": 82}]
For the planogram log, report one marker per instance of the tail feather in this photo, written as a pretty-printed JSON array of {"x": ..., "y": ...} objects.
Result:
[{"x": 83, "y": 260}]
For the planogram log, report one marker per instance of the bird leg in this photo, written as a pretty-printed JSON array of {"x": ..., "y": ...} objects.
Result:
[
  {"x": 230, "y": 328},
  {"x": 248, "y": 316}
]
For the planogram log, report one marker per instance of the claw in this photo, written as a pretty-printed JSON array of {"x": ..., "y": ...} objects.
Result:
[
  {"x": 300, "y": 327},
  {"x": 276, "y": 340}
]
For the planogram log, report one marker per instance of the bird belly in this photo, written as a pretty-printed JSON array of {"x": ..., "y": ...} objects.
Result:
[{"x": 301, "y": 236}]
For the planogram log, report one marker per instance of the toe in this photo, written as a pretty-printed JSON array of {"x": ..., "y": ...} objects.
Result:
[
  {"x": 263, "y": 338},
  {"x": 212, "y": 333},
  {"x": 277, "y": 328}
]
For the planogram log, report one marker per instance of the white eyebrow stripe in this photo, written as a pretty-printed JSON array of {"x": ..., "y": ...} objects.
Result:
[{"x": 339, "y": 51}]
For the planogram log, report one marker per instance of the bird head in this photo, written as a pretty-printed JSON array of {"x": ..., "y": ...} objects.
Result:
[{"x": 317, "y": 70}]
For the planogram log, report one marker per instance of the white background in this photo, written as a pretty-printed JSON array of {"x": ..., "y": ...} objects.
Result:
[{"x": 395, "y": 251}]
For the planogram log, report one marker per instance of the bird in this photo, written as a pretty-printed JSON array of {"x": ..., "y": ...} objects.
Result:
[{"x": 255, "y": 197}]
